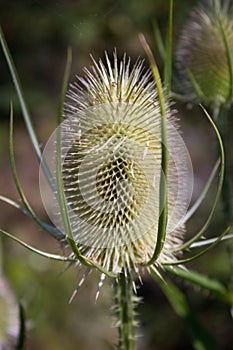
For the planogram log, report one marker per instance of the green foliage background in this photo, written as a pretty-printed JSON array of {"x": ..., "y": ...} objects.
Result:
[{"x": 38, "y": 34}]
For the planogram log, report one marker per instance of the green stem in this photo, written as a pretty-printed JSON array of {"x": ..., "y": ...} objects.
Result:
[
  {"x": 163, "y": 205},
  {"x": 125, "y": 312},
  {"x": 224, "y": 127}
]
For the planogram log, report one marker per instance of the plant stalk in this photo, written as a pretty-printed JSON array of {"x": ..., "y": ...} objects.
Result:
[
  {"x": 224, "y": 127},
  {"x": 125, "y": 312}
]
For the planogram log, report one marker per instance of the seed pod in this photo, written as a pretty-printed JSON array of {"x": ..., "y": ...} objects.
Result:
[
  {"x": 205, "y": 52},
  {"x": 111, "y": 167}
]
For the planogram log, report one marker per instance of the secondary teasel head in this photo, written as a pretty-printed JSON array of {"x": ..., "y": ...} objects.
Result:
[
  {"x": 205, "y": 53},
  {"x": 111, "y": 167}
]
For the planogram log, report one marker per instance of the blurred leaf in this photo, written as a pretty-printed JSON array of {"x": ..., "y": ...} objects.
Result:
[
  {"x": 201, "y": 339},
  {"x": 202, "y": 281},
  {"x": 218, "y": 193},
  {"x": 203, "y": 194}
]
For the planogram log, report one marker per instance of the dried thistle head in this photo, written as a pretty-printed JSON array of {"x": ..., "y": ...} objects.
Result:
[
  {"x": 205, "y": 53},
  {"x": 111, "y": 167}
]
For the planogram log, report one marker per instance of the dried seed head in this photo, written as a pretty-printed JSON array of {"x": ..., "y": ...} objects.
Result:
[
  {"x": 203, "y": 51},
  {"x": 111, "y": 167}
]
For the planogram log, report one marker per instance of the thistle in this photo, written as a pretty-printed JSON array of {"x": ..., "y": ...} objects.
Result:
[
  {"x": 205, "y": 52},
  {"x": 111, "y": 168},
  {"x": 116, "y": 181}
]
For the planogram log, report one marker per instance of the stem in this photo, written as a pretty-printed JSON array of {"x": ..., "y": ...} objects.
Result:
[
  {"x": 224, "y": 127},
  {"x": 163, "y": 205},
  {"x": 24, "y": 108},
  {"x": 125, "y": 312}
]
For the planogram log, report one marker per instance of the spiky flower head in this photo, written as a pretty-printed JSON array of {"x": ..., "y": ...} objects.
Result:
[
  {"x": 205, "y": 53},
  {"x": 111, "y": 167}
]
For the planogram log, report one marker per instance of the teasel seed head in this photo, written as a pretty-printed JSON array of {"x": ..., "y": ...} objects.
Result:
[
  {"x": 205, "y": 53},
  {"x": 111, "y": 167}
]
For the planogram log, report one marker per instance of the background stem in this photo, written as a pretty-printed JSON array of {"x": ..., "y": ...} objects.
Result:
[{"x": 224, "y": 126}]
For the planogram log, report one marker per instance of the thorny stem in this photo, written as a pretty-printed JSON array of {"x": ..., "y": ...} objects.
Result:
[{"x": 125, "y": 312}]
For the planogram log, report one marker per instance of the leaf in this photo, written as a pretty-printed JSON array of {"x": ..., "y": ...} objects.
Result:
[
  {"x": 37, "y": 251},
  {"x": 205, "y": 282},
  {"x": 201, "y": 339},
  {"x": 29, "y": 211},
  {"x": 59, "y": 179},
  {"x": 209, "y": 241},
  {"x": 204, "y": 251},
  {"x": 162, "y": 224},
  {"x": 53, "y": 231},
  {"x": 202, "y": 196},
  {"x": 219, "y": 187},
  {"x": 23, "y": 105}
]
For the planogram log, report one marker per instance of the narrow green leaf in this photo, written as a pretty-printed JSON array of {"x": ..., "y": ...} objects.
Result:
[
  {"x": 162, "y": 225},
  {"x": 203, "y": 194},
  {"x": 201, "y": 339},
  {"x": 209, "y": 241},
  {"x": 213, "y": 286},
  {"x": 59, "y": 179},
  {"x": 29, "y": 211},
  {"x": 53, "y": 231},
  {"x": 204, "y": 251},
  {"x": 37, "y": 251},
  {"x": 24, "y": 108}
]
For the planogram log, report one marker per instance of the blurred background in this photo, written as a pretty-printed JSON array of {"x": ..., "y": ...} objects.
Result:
[{"x": 38, "y": 33}]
